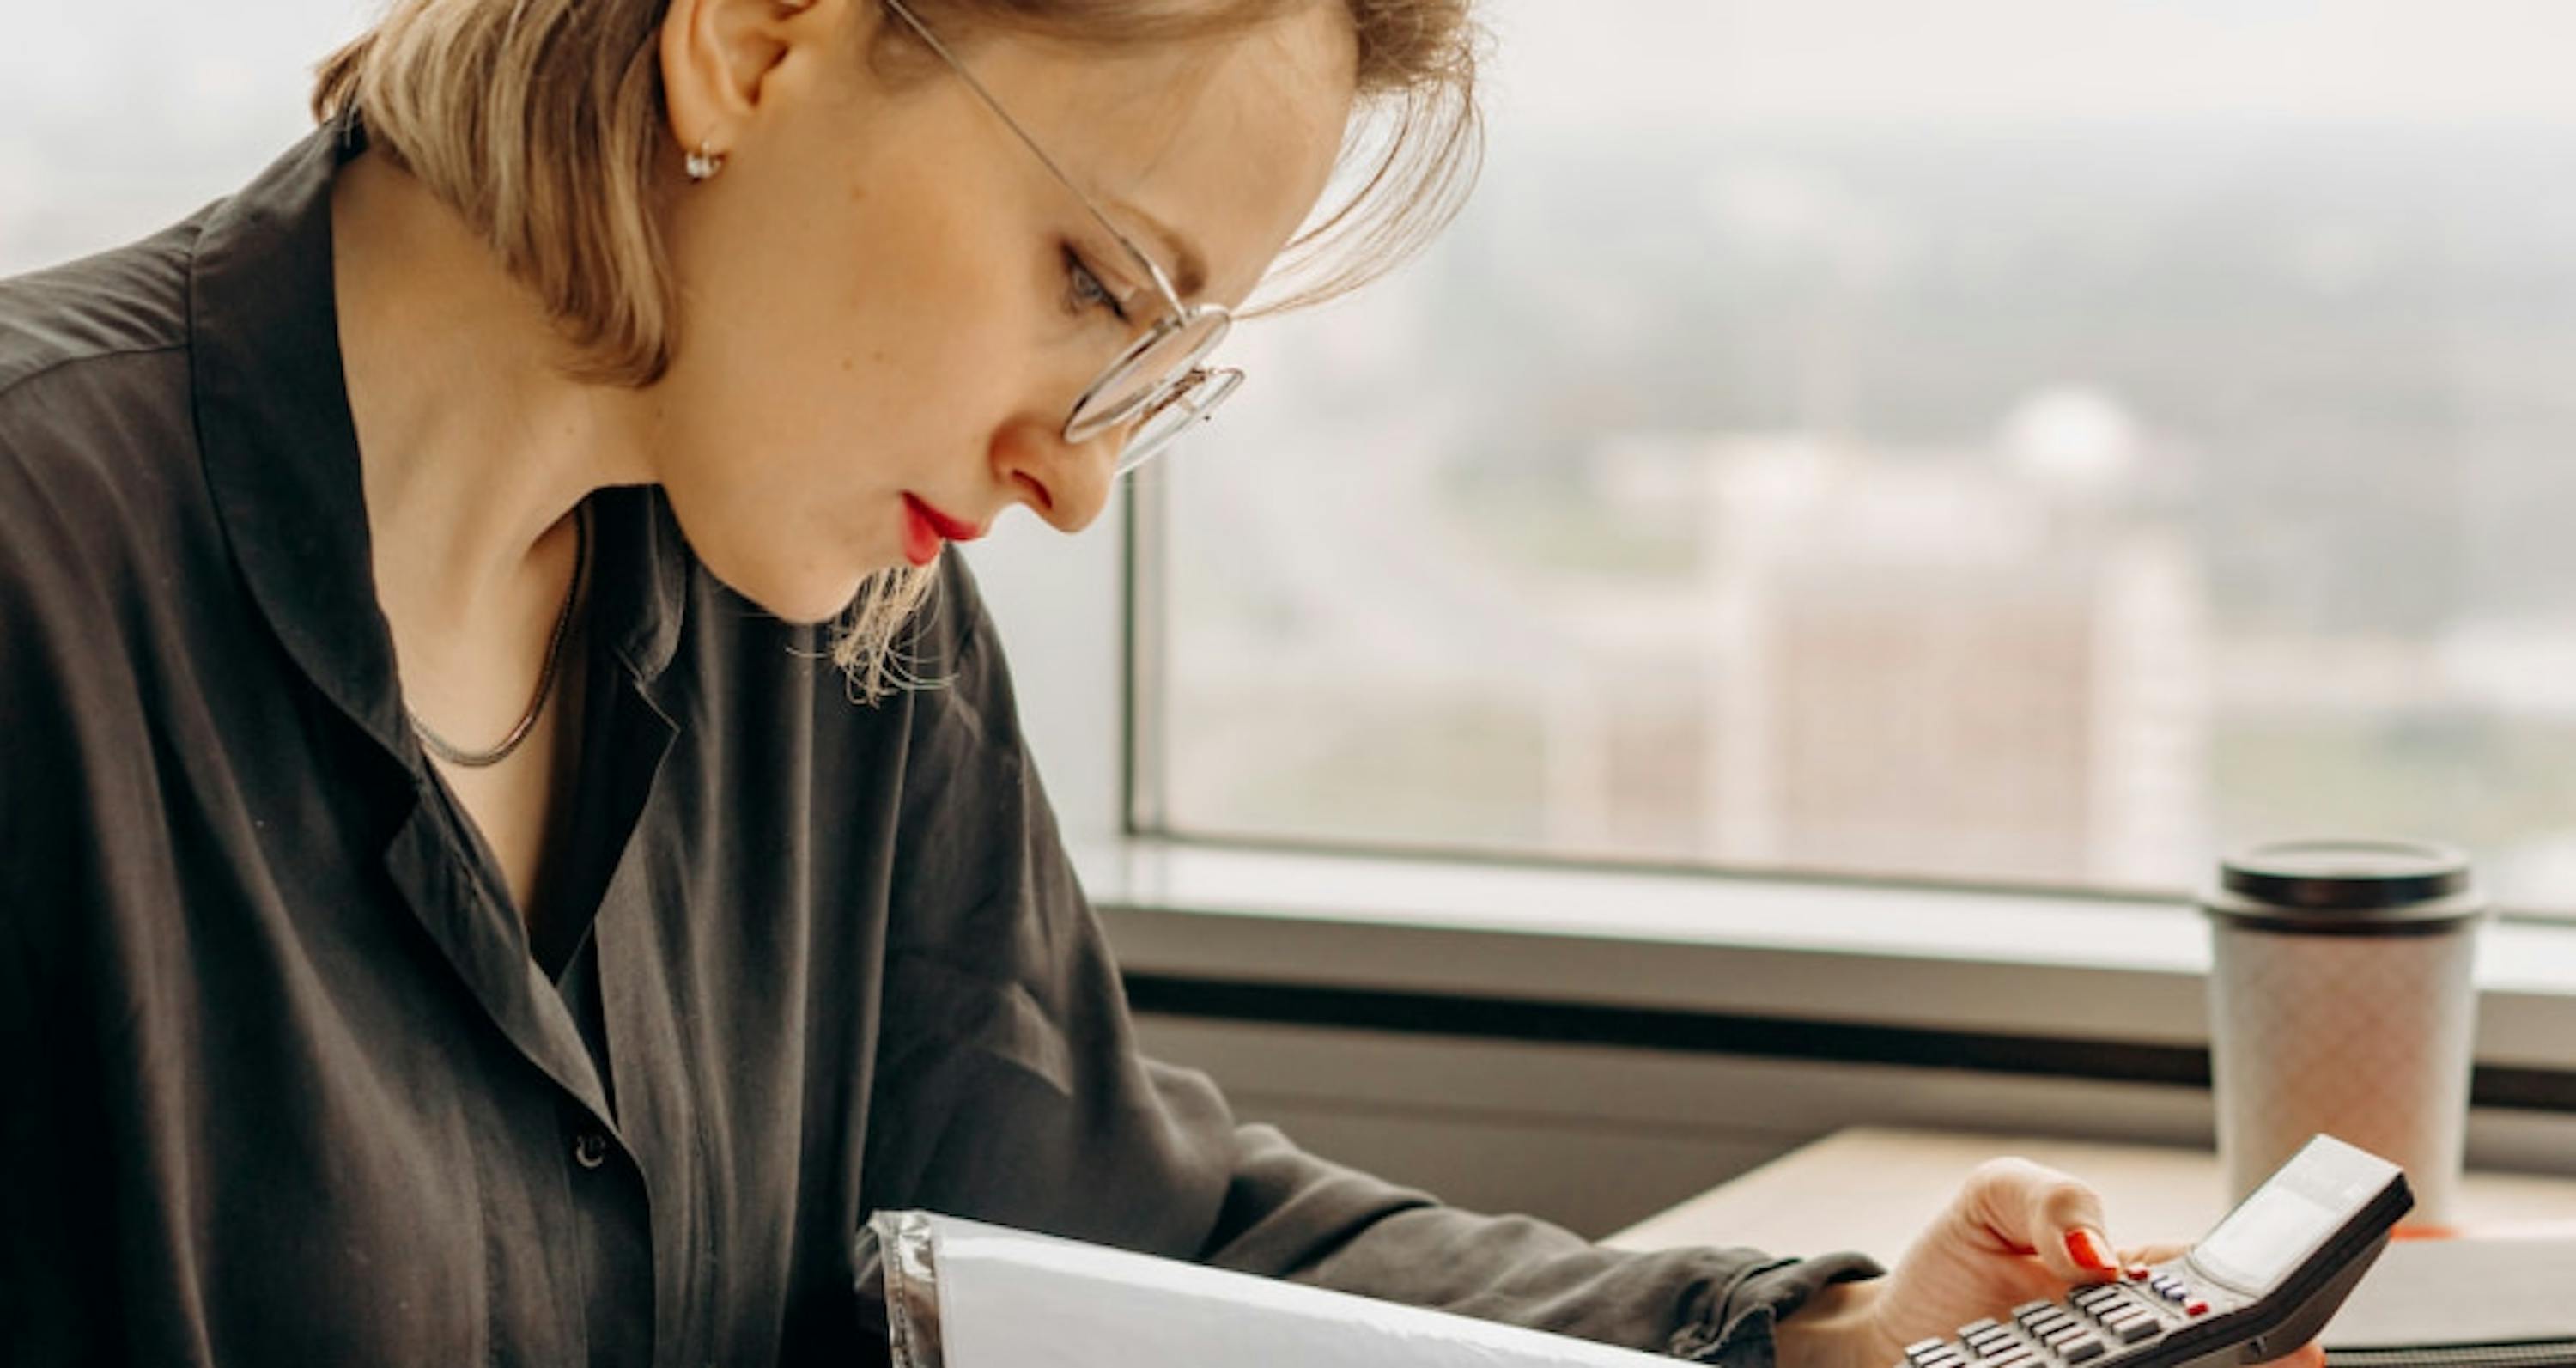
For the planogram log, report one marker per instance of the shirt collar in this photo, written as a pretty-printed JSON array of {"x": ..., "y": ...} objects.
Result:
[
  {"x": 281, "y": 451},
  {"x": 641, "y": 594}
]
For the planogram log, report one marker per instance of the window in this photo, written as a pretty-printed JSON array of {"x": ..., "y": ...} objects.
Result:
[{"x": 2012, "y": 442}]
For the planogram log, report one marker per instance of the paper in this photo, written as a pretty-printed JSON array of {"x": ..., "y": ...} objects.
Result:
[
  {"x": 961, "y": 1294},
  {"x": 2437, "y": 1293}
]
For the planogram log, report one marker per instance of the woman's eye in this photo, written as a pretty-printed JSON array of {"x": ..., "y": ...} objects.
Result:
[{"x": 1084, "y": 291}]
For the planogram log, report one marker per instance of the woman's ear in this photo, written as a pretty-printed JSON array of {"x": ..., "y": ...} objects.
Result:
[{"x": 724, "y": 60}]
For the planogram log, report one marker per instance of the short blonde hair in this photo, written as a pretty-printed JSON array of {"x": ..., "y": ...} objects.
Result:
[{"x": 541, "y": 123}]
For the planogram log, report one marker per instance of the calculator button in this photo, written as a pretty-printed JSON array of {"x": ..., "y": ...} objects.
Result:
[
  {"x": 1993, "y": 1342},
  {"x": 1974, "y": 1330},
  {"x": 2140, "y": 1273},
  {"x": 2027, "y": 1310},
  {"x": 2132, "y": 1331},
  {"x": 2084, "y": 1350},
  {"x": 2198, "y": 1308},
  {"x": 2014, "y": 1357},
  {"x": 1923, "y": 1349}
]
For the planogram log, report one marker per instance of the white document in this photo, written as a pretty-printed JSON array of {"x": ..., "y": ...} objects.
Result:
[{"x": 961, "y": 1294}]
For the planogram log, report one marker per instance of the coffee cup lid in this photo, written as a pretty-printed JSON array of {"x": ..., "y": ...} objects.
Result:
[{"x": 2363, "y": 886}]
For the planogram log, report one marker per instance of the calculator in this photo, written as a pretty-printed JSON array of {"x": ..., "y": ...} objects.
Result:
[{"x": 2261, "y": 1283}]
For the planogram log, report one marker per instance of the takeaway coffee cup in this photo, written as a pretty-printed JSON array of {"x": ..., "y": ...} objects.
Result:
[{"x": 2341, "y": 1000}]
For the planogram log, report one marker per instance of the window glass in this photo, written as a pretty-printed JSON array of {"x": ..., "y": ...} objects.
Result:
[{"x": 2006, "y": 441}]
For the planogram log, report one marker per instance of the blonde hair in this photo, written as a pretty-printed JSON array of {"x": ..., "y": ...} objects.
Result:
[{"x": 540, "y": 122}]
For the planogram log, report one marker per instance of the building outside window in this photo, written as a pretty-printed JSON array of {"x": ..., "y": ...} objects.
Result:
[{"x": 2008, "y": 443}]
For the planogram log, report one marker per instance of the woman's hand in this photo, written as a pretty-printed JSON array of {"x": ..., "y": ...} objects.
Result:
[{"x": 2017, "y": 1232}]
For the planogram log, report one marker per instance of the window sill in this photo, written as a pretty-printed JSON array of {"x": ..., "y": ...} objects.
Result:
[{"x": 2053, "y": 969}]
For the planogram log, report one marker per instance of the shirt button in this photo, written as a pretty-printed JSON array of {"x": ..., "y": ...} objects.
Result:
[{"x": 590, "y": 1149}]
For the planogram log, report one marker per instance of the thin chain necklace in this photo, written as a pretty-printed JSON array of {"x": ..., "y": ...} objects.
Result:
[{"x": 485, "y": 759}]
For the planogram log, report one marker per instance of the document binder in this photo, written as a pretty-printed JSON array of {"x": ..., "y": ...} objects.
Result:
[{"x": 960, "y": 1294}]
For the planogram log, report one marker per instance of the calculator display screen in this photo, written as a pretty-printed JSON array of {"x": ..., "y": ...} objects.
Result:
[{"x": 2264, "y": 1239}]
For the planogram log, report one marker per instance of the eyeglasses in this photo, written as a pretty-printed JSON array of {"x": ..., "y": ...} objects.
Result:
[{"x": 1157, "y": 387}]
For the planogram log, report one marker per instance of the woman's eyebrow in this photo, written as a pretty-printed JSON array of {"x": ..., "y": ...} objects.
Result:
[{"x": 1189, "y": 272}]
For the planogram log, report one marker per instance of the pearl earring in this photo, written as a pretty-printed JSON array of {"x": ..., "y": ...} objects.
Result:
[{"x": 704, "y": 163}]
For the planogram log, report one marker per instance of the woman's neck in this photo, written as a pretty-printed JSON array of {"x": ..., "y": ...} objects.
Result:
[
  {"x": 475, "y": 450},
  {"x": 475, "y": 446}
]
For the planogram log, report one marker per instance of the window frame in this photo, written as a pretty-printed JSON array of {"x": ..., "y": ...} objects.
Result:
[{"x": 1672, "y": 946}]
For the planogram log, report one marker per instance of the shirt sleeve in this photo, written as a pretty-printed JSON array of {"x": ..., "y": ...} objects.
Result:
[
  {"x": 1010, "y": 1089},
  {"x": 66, "y": 792}
]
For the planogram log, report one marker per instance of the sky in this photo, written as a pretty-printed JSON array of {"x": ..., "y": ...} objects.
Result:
[{"x": 1639, "y": 62}]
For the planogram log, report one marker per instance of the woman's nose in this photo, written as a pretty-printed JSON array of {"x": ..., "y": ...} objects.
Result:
[{"x": 1066, "y": 483}]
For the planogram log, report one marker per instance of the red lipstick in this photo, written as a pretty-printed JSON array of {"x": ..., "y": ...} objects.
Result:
[
  {"x": 954, "y": 529},
  {"x": 925, "y": 527}
]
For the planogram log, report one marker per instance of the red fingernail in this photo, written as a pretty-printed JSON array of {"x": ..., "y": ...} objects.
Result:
[{"x": 2090, "y": 1251}]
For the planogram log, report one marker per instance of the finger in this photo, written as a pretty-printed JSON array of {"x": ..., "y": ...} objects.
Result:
[
  {"x": 2309, "y": 1355},
  {"x": 2140, "y": 1256},
  {"x": 2037, "y": 1210}
]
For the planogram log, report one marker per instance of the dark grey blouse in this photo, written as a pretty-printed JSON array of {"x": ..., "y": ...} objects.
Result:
[{"x": 286, "y": 1081}]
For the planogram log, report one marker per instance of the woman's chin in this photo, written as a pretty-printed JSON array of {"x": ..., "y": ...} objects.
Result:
[
  {"x": 809, "y": 604},
  {"x": 803, "y": 594},
  {"x": 805, "y": 587}
]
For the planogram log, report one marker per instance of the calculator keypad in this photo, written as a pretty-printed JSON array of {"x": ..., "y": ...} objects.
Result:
[{"x": 2092, "y": 1323}]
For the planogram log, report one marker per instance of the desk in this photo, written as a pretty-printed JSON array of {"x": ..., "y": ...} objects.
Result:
[{"x": 1872, "y": 1189}]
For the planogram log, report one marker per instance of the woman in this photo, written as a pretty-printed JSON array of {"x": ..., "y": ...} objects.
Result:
[{"x": 457, "y": 910}]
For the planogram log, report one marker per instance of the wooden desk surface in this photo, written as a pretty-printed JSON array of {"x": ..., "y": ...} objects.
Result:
[{"x": 1872, "y": 1189}]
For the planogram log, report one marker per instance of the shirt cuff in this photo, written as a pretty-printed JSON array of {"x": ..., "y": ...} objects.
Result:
[{"x": 1736, "y": 1332}]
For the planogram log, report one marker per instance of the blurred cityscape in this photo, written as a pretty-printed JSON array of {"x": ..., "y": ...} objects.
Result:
[{"x": 2046, "y": 500}]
